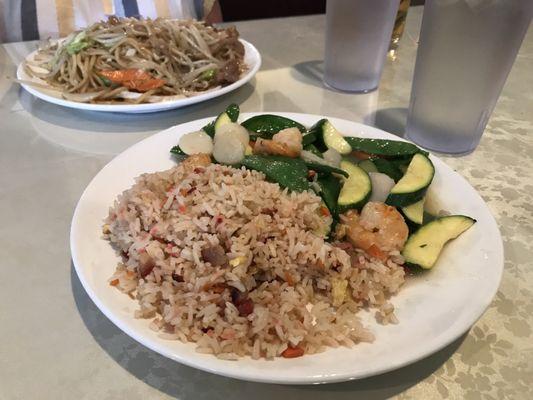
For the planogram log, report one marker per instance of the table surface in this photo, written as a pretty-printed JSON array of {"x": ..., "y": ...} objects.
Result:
[{"x": 56, "y": 344}]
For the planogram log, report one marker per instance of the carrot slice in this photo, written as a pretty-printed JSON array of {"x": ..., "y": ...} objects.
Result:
[
  {"x": 136, "y": 79},
  {"x": 122, "y": 75},
  {"x": 144, "y": 85}
]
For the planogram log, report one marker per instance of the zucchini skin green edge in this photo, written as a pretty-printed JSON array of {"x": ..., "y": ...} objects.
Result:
[
  {"x": 406, "y": 199},
  {"x": 232, "y": 111},
  {"x": 354, "y": 206}
]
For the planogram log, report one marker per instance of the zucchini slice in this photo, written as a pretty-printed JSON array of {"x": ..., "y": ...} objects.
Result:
[
  {"x": 415, "y": 212},
  {"x": 423, "y": 247},
  {"x": 414, "y": 184},
  {"x": 231, "y": 114},
  {"x": 222, "y": 119},
  {"x": 330, "y": 136},
  {"x": 368, "y": 166},
  {"x": 357, "y": 187}
]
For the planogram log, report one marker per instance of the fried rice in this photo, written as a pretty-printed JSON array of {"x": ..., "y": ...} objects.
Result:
[{"x": 220, "y": 257}]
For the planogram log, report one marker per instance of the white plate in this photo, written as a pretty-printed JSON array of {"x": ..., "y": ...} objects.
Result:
[
  {"x": 434, "y": 309},
  {"x": 252, "y": 58}
]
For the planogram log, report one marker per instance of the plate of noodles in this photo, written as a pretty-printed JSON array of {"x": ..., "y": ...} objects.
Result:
[
  {"x": 250, "y": 269},
  {"x": 139, "y": 65}
]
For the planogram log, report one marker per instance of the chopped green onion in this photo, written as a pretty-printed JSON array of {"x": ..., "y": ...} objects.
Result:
[
  {"x": 207, "y": 75},
  {"x": 77, "y": 44}
]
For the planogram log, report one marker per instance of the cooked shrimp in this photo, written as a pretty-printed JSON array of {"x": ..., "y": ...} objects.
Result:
[
  {"x": 287, "y": 142},
  {"x": 196, "y": 160},
  {"x": 378, "y": 230}
]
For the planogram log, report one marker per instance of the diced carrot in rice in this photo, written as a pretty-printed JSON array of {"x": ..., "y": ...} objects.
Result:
[{"x": 293, "y": 352}]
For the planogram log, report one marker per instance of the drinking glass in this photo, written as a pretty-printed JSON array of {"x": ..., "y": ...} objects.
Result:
[
  {"x": 466, "y": 50},
  {"x": 358, "y": 33}
]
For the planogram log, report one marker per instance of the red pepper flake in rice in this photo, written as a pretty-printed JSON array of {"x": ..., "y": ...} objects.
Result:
[
  {"x": 162, "y": 241},
  {"x": 288, "y": 278},
  {"x": 292, "y": 352},
  {"x": 184, "y": 192}
]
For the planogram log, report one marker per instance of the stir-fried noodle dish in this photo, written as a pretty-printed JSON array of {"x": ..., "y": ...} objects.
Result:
[{"x": 128, "y": 60}]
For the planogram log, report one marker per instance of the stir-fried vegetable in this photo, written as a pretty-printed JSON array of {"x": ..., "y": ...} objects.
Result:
[
  {"x": 330, "y": 187},
  {"x": 266, "y": 125},
  {"x": 208, "y": 75},
  {"x": 325, "y": 168},
  {"x": 384, "y": 147},
  {"x": 288, "y": 172},
  {"x": 136, "y": 79},
  {"x": 388, "y": 168},
  {"x": 352, "y": 175},
  {"x": 231, "y": 113},
  {"x": 78, "y": 43}
]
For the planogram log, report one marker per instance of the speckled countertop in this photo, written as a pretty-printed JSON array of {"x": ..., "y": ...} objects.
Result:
[{"x": 54, "y": 342}]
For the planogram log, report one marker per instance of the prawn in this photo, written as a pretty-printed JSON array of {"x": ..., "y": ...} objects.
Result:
[
  {"x": 378, "y": 230},
  {"x": 287, "y": 142}
]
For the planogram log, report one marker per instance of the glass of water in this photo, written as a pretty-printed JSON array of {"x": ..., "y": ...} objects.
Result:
[
  {"x": 358, "y": 33},
  {"x": 467, "y": 48}
]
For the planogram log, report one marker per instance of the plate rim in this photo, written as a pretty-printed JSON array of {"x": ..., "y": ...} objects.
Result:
[
  {"x": 146, "y": 107},
  {"x": 154, "y": 344}
]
